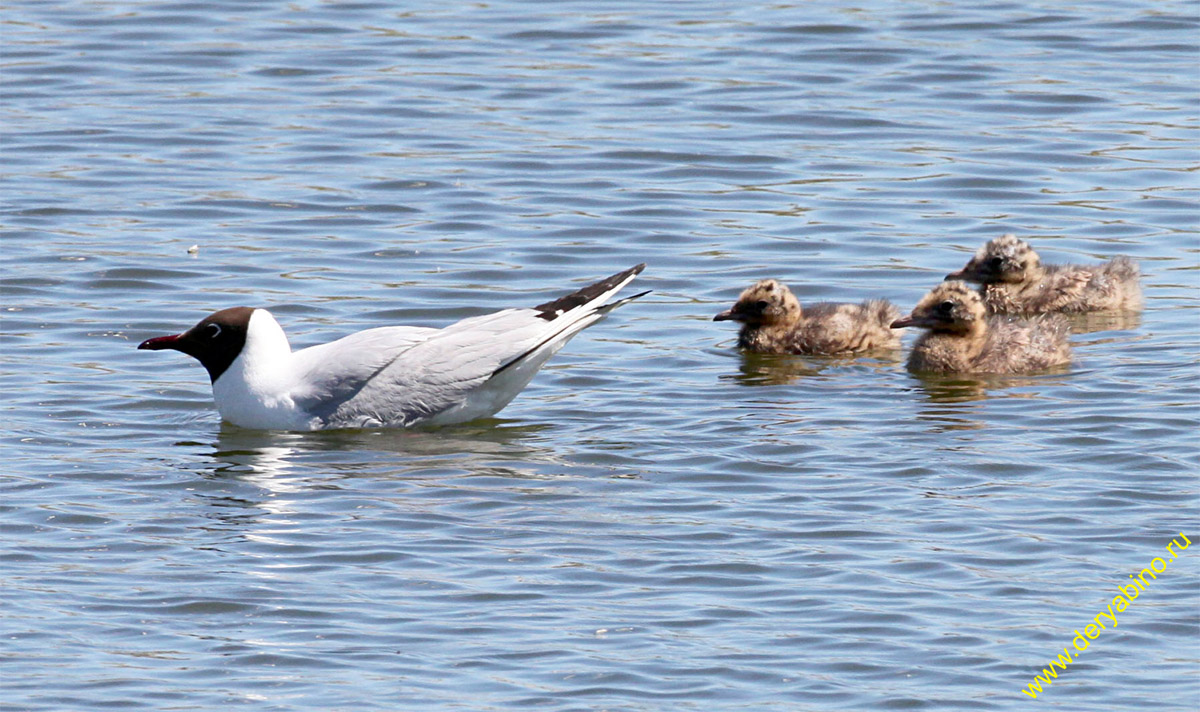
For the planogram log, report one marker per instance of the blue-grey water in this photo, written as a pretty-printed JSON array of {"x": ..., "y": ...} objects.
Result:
[{"x": 657, "y": 522}]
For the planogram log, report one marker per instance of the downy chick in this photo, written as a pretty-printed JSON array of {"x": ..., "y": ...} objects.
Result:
[
  {"x": 962, "y": 337},
  {"x": 1016, "y": 282},
  {"x": 773, "y": 323}
]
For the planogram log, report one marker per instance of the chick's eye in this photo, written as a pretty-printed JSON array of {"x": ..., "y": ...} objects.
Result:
[
  {"x": 213, "y": 330},
  {"x": 761, "y": 305},
  {"x": 995, "y": 263},
  {"x": 946, "y": 307}
]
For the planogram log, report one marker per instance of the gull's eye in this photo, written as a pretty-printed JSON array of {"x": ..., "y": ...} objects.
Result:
[
  {"x": 762, "y": 305},
  {"x": 995, "y": 263},
  {"x": 213, "y": 330},
  {"x": 946, "y": 307}
]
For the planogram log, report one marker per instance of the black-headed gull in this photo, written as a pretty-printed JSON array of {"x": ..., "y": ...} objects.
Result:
[{"x": 392, "y": 376}]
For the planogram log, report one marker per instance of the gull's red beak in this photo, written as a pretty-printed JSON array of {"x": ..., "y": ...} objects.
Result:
[{"x": 159, "y": 343}]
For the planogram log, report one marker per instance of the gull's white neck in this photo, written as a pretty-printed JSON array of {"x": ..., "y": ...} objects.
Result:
[{"x": 254, "y": 392}]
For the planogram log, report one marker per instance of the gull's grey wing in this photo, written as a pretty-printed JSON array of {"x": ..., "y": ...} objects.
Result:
[
  {"x": 476, "y": 366},
  {"x": 442, "y": 372},
  {"x": 330, "y": 374}
]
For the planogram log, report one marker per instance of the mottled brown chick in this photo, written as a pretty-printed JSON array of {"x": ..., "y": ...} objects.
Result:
[
  {"x": 1016, "y": 282},
  {"x": 773, "y": 323},
  {"x": 963, "y": 338}
]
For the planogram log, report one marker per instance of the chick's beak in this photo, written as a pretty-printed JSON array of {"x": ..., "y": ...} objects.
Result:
[
  {"x": 728, "y": 315},
  {"x": 904, "y": 322}
]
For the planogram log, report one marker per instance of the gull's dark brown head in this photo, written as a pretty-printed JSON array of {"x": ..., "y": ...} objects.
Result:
[
  {"x": 1004, "y": 259},
  {"x": 950, "y": 308},
  {"x": 765, "y": 303},
  {"x": 215, "y": 342}
]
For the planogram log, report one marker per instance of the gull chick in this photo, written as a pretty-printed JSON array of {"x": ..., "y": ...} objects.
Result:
[
  {"x": 962, "y": 337},
  {"x": 392, "y": 376},
  {"x": 774, "y": 323},
  {"x": 1016, "y": 282}
]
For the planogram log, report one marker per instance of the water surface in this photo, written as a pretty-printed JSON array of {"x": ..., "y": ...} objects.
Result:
[{"x": 658, "y": 522}]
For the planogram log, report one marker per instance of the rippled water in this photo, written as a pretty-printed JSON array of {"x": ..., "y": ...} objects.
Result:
[{"x": 658, "y": 522}]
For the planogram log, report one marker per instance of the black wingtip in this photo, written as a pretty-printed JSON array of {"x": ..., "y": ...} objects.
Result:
[{"x": 551, "y": 310}]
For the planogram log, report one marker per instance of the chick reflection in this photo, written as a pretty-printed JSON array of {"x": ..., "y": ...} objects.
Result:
[
  {"x": 757, "y": 369},
  {"x": 958, "y": 388},
  {"x": 952, "y": 388},
  {"x": 1090, "y": 322},
  {"x": 770, "y": 369},
  {"x": 954, "y": 400}
]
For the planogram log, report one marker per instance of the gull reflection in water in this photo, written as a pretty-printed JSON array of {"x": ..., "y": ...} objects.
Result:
[
  {"x": 269, "y": 458},
  {"x": 258, "y": 475}
]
